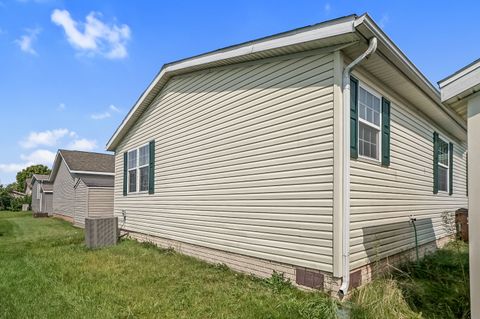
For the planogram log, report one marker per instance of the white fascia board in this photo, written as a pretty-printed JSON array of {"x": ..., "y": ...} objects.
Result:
[
  {"x": 460, "y": 73},
  {"x": 92, "y": 173},
  {"x": 329, "y": 29},
  {"x": 461, "y": 84},
  {"x": 431, "y": 90}
]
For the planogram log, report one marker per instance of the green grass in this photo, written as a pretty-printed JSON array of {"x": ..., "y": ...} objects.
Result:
[
  {"x": 46, "y": 272},
  {"x": 436, "y": 287}
]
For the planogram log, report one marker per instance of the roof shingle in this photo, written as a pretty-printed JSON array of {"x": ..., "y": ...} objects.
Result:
[{"x": 88, "y": 161}]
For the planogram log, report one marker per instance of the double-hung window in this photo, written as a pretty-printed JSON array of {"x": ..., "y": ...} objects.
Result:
[
  {"x": 443, "y": 165},
  {"x": 138, "y": 169},
  {"x": 369, "y": 124}
]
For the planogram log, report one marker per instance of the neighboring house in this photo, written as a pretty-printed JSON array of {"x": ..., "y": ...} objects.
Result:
[
  {"x": 68, "y": 168},
  {"x": 93, "y": 197},
  {"x": 262, "y": 157},
  {"x": 460, "y": 91},
  {"x": 16, "y": 194},
  {"x": 42, "y": 194},
  {"x": 28, "y": 186}
]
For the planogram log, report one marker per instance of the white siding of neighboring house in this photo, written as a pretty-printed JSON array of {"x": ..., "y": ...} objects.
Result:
[
  {"x": 382, "y": 199},
  {"x": 47, "y": 203},
  {"x": 100, "y": 201},
  {"x": 244, "y": 161},
  {"x": 63, "y": 192},
  {"x": 81, "y": 204},
  {"x": 35, "y": 199}
]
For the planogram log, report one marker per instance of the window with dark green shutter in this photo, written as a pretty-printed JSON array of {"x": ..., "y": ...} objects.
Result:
[
  {"x": 369, "y": 124},
  {"x": 353, "y": 117},
  {"x": 151, "y": 175},
  {"x": 385, "y": 132},
  {"x": 450, "y": 169},
  {"x": 125, "y": 172},
  {"x": 139, "y": 169}
]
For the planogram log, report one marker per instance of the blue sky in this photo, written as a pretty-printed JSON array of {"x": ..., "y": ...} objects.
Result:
[{"x": 71, "y": 70}]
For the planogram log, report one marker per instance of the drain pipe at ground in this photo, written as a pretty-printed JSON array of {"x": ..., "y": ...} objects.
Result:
[{"x": 346, "y": 166}]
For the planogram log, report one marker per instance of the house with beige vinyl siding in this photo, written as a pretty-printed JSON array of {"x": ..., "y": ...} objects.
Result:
[
  {"x": 82, "y": 185},
  {"x": 42, "y": 194},
  {"x": 310, "y": 153}
]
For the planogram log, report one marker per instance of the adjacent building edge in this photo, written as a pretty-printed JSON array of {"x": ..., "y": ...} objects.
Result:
[{"x": 301, "y": 277}]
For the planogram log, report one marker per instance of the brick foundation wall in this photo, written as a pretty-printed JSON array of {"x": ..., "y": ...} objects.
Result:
[
  {"x": 297, "y": 275},
  {"x": 365, "y": 274}
]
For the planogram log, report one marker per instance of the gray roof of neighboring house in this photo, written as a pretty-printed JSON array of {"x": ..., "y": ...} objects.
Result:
[
  {"x": 40, "y": 177},
  {"x": 88, "y": 161},
  {"x": 47, "y": 187},
  {"x": 97, "y": 180}
]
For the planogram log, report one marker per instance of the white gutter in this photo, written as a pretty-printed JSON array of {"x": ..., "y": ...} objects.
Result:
[{"x": 346, "y": 166}]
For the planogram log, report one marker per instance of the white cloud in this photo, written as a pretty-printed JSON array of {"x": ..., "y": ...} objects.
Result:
[
  {"x": 327, "y": 7},
  {"x": 114, "y": 108},
  {"x": 25, "y": 42},
  {"x": 100, "y": 116},
  {"x": 83, "y": 145},
  {"x": 94, "y": 36},
  {"x": 39, "y": 157},
  {"x": 384, "y": 20},
  {"x": 12, "y": 168},
  {"x": 46, "y": 138},
  {"x": 61, "y": 107}
]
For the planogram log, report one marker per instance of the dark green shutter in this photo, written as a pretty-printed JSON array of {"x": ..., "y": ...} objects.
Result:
[
  {"x": 385, "y": 132},
  {"x": 435, "y": 162},
  {"x": 125, "y": 172},
  {"x": 151, "y": 173},
  {"x": 450, "y": 171},
  {"x": 353, "y": 118}
]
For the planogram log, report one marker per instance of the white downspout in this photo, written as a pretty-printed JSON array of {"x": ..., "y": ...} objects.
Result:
[{"x": 346, "y": 166}]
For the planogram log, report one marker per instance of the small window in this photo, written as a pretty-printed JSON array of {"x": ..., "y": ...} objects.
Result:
[
  {"x": 38, "y": 190},
  {"x": 138, "y": 169},
  {"x": 443, "y": 165},
  {"x": 369, "y": 124}
]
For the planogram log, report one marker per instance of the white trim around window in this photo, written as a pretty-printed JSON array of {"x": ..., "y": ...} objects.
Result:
[
  {"x": 369, "y": 122},
  {"x": 136, "y": 168},
  {"x": 441, "y": 165}
]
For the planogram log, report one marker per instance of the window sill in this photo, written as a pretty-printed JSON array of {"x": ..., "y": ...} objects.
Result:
[{"x": 137, "y": 193}]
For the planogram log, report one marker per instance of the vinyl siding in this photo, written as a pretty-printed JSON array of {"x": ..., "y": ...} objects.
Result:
[
  {"x": 81, "y": 204},
  {"x": 35, "y": 200},
  {"x": 47, "y": 203},
  {"x": 244, "y": 161},
  {"x": 100, "y": 202},
  {"x": 382, "y": 199},
  {"x": 63, "y": 192}
]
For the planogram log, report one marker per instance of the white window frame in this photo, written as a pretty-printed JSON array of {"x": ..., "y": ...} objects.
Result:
[
  {"x": 137, "y": 168},
  {"x": 441, "y": 138},
  {"x": 372, "y": 125}
]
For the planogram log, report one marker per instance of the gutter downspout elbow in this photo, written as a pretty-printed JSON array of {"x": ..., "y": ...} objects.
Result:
[{"x": 346, "y": 165}]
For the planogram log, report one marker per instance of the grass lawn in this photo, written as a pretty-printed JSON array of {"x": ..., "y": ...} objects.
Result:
[{"x": 46, "y": 272}]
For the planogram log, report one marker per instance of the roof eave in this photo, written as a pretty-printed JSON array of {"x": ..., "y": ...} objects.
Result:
[
  {"x": 410, "y": 69},
  {"x": 327, "y": 29}
]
